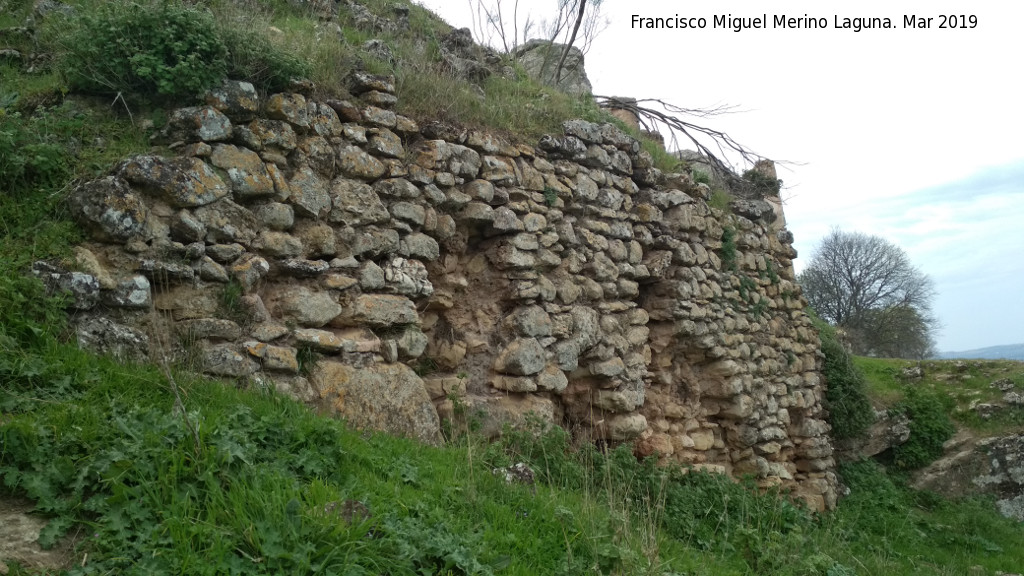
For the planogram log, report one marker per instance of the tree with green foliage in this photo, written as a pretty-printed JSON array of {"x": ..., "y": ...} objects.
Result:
[{"x": 867, "y": 286}]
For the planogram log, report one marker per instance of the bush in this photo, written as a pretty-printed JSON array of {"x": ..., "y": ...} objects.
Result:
[
  {"x": 930, "y": 427},
  {"x": 850, "y": 411},
  {"x": 165, "y": 49}
]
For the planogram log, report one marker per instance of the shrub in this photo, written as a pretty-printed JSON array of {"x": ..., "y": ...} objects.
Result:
[
  {"x": 850, "y": 412},
  {"x": 930, "y": 427},
  {"x": 761, "y": 184},
  {"x": 165, "y": 49}
]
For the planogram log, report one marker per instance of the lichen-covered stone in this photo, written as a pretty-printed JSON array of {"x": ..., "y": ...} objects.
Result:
[
  {"x": 181, "y": 182},
  {"x": 81, "y": 291},
  {"x": 102, "y": 335},
  {"x": 307, "y": 308},
  {"x": 273, "y": 134},
  {"x": 522, "y": 357},
  {"x": 237, "y": 100},
  {"x": 384, "y": 142},
  {"x": 132, "y": 292},
  {"x": 198, "y": 123},
  {"x": 225, "y": 360},
  {"x": 276, "y": 358},
  {"x": 249, "y": 269},
  {"x": 354, "y": 162},
  {"x": 109, "y": 210},
  {"x": 444, "y": 156},
  {"x": 276, "y": 216},
  {"x": 246, "y": 171},
  {"x": 356, "y": 204},
  {"x": 420, "y": 246},
  {"x": 288, "y": 107},
  {"x": 209, "y": 328},
  {"x": 379, "y": 311}
]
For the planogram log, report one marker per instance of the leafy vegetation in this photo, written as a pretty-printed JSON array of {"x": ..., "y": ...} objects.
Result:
[
  {"x": 930, "y": 427},
  {"x": 850, "y": 411}
]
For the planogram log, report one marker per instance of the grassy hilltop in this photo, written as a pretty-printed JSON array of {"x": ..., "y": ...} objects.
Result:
[{"x": 148, "y": 470}]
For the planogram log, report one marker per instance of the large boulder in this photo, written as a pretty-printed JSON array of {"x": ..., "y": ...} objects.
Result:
[
  {"x": 540, "y": 60},
  {"x": 386, "y": 397},
  {"x": 993, "y": 466}
]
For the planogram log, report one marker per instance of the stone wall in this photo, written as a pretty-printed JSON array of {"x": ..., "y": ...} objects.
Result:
[{"x": 388, "y": 273}]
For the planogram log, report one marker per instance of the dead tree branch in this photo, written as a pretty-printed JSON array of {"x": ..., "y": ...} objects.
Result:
[
  {"x": 568, "y": 45},
  {"x": 672, "y": 117}
]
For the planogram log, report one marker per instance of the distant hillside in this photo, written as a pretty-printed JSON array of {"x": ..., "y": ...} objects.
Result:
[{"x": 1007, "y": 352}]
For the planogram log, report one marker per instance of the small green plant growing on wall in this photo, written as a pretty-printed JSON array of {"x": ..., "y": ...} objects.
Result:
[
  {"x": 747, "y": 288},
  {"x": 550, "y": 196},
  {"x": 230, "y": 305},
  {"x": 728, "y": 248},
  {"x": 720, "y": 199},
  {"x": 769, "y": 273},
  {"x": 701, "y": 177}
]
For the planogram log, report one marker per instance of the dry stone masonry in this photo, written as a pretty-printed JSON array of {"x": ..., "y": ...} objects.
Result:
[{"x": 398, "y": 275}]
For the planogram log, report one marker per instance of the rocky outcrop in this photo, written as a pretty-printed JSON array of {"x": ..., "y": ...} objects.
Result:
[
  {"x": 540, "y": 59},
  {"x": 889, "y": 429},
  {"x": 330, "y": 248},
  {"x": 993, "y": 466}
]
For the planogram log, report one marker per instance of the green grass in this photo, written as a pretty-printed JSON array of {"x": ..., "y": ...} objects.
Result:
[
  {"x": 248, "y": 482},
  {"x": 965, "y": 383}
]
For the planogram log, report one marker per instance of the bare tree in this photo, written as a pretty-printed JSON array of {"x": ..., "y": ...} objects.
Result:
[
  {"x": 572, "y": 24},
  {"x": 868, "y": 286}
]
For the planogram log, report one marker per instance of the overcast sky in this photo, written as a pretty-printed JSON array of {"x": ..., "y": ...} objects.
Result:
[{"x": 915, "y": 135}]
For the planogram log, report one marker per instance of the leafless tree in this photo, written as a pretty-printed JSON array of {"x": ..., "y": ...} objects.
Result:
[
  {"x": 868, "y": 286},
  {"x": 575, "y": 23}
]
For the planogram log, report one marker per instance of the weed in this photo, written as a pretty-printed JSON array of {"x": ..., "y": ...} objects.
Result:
[
  {"x": 747, "y": 288},
  {"x": 550, "y": 196},
  {"x": 720, "y": 200},
  {"x": 759, "y": 309},
  {"x": 307, "y": 358},
  {"x": 728, "y": 248},
  {"x": 701, "y": 177},
  {"x": 230, "y": 305},
  {"x": 769, "y": 273},
  {"x": 425, "y": 366}
]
